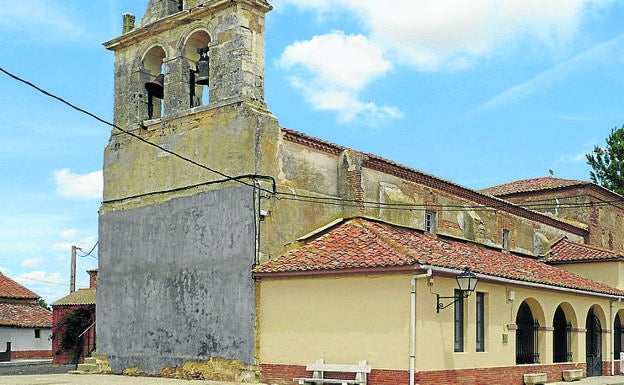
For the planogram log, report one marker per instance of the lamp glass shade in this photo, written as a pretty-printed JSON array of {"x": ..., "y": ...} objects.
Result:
[{"x": 467, "y": 281}]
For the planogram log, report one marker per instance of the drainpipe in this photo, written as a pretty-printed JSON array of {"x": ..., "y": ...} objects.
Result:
[
  {"x": 412, "y": 359},
  {"x": 612, "y": 337}
]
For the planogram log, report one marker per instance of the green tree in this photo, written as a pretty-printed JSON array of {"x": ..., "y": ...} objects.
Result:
[
  {"x": 41, "y": 302},
  {"x": 608, "y": 163}
]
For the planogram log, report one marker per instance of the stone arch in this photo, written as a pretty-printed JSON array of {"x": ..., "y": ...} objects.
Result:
[
  {"x": 152, "y": 65},
  {"x": 536, "y": 309},
  {"x": 570, "y": 313},
  {"x": 618, "y": 333},
  {"x": 563, "y": 344},
  {"x": 193, "y": 39},
  {"x": 528, "y": 339},
  {"x": 594, "y": 340}
]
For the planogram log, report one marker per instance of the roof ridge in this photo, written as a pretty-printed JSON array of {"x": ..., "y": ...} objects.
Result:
[
  {"x": 366, "y": 223},
  {"x": 594, "y": 247}
]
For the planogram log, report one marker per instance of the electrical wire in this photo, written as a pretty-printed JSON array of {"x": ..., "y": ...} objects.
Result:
[
  {"x": 139, "y": 138},
  {"x": 89, "y": 254},
  {"x": 334, "y": 201}
]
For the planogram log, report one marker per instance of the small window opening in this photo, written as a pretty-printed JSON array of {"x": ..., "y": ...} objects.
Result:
[
  {"x": 37, "y": 333},
  {"x": 505, "y": 239},
  {"x": 480, "y": 322},
  {"x": 458, "y": 321},
  {"x": 430, "y": 222}
]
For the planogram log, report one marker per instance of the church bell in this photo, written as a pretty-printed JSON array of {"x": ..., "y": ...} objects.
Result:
[
  {"x": 203, "y": 68},
  {"x": 155, "y": 87}
]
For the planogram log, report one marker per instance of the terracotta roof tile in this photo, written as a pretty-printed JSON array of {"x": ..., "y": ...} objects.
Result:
[
  {"x": 79, "y": 297},
  {"x": 25, "y": 316},
  {"x": 564, "y": 250},
  {"x": 11, "y": 289},
  {"x": 529, "y": 185},
  {"x": 362, "y": 243}
]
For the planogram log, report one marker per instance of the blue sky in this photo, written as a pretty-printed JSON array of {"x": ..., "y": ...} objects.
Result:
[{"x": 479, "y": 92}]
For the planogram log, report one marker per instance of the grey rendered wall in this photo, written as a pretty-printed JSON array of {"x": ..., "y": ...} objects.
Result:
[{"x": 175, "y": 281}]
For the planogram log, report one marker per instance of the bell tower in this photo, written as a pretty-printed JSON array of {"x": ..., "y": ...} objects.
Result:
[
  {"x": 209, "y": 52},
  {"x": 178, "y": 225}
]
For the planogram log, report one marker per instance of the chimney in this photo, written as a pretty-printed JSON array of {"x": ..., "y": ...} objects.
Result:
[{"x": 92, "y": 278}]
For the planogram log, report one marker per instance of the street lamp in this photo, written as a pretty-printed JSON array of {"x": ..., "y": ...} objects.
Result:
[{"x": 466, "y": 281}]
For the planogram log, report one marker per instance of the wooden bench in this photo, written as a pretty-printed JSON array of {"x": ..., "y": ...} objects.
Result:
[{"x": 319, "y": 368}]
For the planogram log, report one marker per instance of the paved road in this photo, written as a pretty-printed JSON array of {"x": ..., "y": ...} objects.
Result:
[
  {"x": 109, "y": 379},
  {"x": 99, "y": 379}
]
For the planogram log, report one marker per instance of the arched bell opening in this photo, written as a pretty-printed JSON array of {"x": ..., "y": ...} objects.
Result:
[
  {"x": 197, "y": 53},
  {"x": 153, "y": 76}
]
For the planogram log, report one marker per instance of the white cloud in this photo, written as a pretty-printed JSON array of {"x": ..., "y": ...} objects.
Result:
[
  {"x": 31, "y": 262},
  {"x": 82, "y": 243},
  {"x": 332, "y": 69},
  {"x": 87, "y": 186},
  {"x": 430, "y": 35},
  {"x": 39, "y": 276},
  {"x": 43, "y": 20},
  {"x": 590, "y": 58},
  {"x": 69, "y": 233},
  {"x": 423, "y": 34}
]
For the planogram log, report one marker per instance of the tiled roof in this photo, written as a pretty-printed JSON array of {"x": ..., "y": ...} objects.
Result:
[
  {"x": 25, "y": 316},
  {"x": 364, "y": 245},
  {"x": 79, "y": 297},
  {"x": 529, "y": 185},
  {"x": 564, "y": 250},
  {"x": 11, "y": 289}
]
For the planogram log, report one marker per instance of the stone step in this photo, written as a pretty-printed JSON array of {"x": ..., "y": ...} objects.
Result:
[
  {"x": 91, "y": 360},
  {"x": 88, "y": 368}
]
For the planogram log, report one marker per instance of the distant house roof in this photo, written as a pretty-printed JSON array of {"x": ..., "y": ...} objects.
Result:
[
  {"x": 79, "y": 297},
  {"x": 13, "y": 290},
  {"x": 535, "y": 184},
  {"x": 564, "y": 250},
  {"x": 365, "y": 246},
  {"x": 25, "y": 316}
]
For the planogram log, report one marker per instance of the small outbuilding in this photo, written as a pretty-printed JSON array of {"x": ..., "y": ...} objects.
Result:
[{"x": 25, "y": 325}]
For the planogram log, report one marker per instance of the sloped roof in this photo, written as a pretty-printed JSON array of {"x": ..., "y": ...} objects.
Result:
[
  {"x": 530, "y": 185},
  {"x": 564, "y": 250},
  {"x": 11, "y": 289},
  {"x": 363, "y": 245},
  {"x": 79, "y": 297},
  {"x": 25, "y": 316},
  {"x": 389, "y": 167}
]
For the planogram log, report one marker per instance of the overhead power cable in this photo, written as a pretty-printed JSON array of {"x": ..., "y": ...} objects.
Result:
[
  {"x": 139, "y": 138},
  {"x": 333, "y": 201}
]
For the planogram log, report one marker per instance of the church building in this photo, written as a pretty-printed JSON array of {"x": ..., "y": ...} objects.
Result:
[{"x": 223, "y": 234}]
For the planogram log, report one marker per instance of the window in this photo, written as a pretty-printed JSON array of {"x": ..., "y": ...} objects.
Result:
[
  {"x": 505, "y": 239},
  {"x": 430, "y": 222},
  {"x": 480, "y": 322},
  {"x": 37, "y": 333},
  {"x": 459, "y": 321}
]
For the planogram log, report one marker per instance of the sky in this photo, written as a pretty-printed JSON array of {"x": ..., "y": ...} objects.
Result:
[{"x": 477, "y": 92}]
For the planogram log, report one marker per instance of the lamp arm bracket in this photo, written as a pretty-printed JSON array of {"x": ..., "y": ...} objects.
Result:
[{"x": 442, "y": 306}]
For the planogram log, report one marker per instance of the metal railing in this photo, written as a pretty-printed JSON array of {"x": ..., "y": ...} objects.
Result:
[{"x": 88, "y": 342}]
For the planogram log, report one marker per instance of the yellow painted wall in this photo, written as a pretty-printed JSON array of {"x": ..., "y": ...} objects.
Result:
[
  {"x": 609, "y": 273},
  {"x": 340, "y": 319},
  {"x": 350, "y": 318}
]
